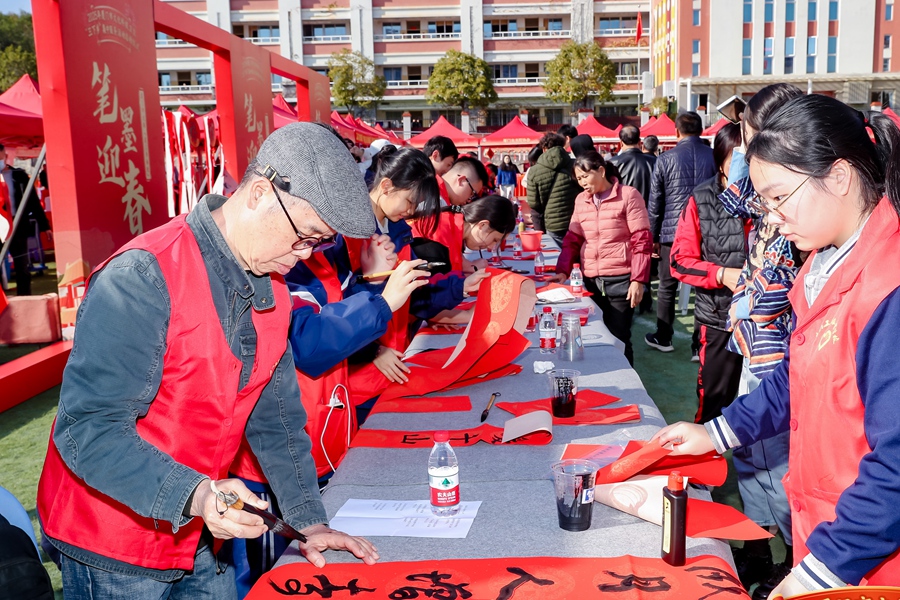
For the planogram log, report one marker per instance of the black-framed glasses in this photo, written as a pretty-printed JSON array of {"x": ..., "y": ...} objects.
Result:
[
  {"x": 304, "y": 242},
  {"x": 759, "y": 204},
  {"x": 475, "y": 194}
]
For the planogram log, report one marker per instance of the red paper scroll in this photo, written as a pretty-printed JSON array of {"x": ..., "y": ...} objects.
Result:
[
  {"x": 586, "y": 400},
  {"x": 553, "y": 286},
  {"x": 501, "y": 372},
  {"x": 714, "y": 520},
  {"x": 644, "y": 458},
  {"x": 540, "y": 578},
  {"x": 423, "y": 405},
  {"x": 489, "y": 434}
]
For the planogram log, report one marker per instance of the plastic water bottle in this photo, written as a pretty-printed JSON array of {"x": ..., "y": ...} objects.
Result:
[
  {"x": 520, "y": 221},
  {"x": 443, "y": 476},
  {"x": 576, "y": 280},
  {"x": 548, "y": 332},
  {"x": 539, "y": 263},
  {"x": 517, "y": 248}
]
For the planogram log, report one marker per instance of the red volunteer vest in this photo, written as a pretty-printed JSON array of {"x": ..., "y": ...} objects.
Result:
[
  {"x": 827, "y": 434},
  {"x": 450, "y": 234},
  {"x": 329, "y": 428},
  {"x": 366, "y": 381},
  {"x": 197, "y": 417}
]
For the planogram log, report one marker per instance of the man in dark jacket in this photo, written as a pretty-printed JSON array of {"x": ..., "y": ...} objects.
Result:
[
  {"x": 634, "y": 166},
  {"x": 16, "y": 180},
  {"x": 552, "y": 188},
  {"x": 676, "y": 174}
]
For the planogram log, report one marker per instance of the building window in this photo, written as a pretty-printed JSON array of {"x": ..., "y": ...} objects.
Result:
[
  {"x": 696, "y": 17},
  {"x": 414, "y": 27},
  {"x": 324, "y": 30},
  {"x": 532, "y": 70},
  {"x": 414, "y": 73},
  {"x": 627, "y": 69},
  {"x": 888, "y": 12},
  {"x": 532, "y": 25},
  {"x": 887, "y": 42},
  {"x": 748, "y": 11},
  {"x": 499, "y": 26},
  {"x": 695, "y": 69},
  {"x": 506, "y": 71},
  {"x": 789, "y": 55},
  {"x": 768, "y": 46},
  {"x": 265, "y": 32},
  {"x": 832, "y": 10},
  {"x": 695, "y": 46},
  {"x": 553, "y": 116},
  {"x": 393, "y": 73},
  {"x": 810, "y": 64},
  {"x": 832, "y": 54},
  {"x": 204, "y": 78},
  {"x": 812, "y": 11},
  {"x": 165, "y": 79},
  {"x": 770, "y": 11},
  {"x": 788, "y": 65},
  {"x": 811, "y": 45},
  {"x": 789, "y": 11},
  {"x": 443, "y": 27},
  {"x": 745, "y": 62},
  {"x": 391, "y": 28},
  {"x": 885, "y": 65},
  {"x": 554, "y": 25}
]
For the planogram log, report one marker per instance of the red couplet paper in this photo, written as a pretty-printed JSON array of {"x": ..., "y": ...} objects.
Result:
[
  {"x": 422, "y": 405},
  {"x": 537, "y": 578},
  {"x": 631, "y": 463},
  {"x": 708, "y": 469},
  {"x": 441, "y": 330},
  {"x": 431, "y": 358},
  {"x": 501, "y": 372},
  {"x": 489, "y": 434},
  {"x": 714, "y": 520},
  {"x": 583, "y": 416},
  {"x": 554, "y": 285},
  {"x": 584, "y": 399}
]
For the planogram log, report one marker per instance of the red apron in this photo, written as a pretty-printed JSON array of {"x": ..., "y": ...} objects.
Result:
[
  {"x": 827, "y": 434},
  {"x": 197, "y": 417}
]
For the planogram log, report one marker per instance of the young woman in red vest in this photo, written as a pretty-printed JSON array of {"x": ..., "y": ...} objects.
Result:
[
  {"x": 404, "y": 187},
  {"x": 479, "y": 225},
  {"x": 829, "y": 177}
]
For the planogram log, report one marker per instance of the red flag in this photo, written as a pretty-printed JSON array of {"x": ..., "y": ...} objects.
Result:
[{"x": 640, "y": 30}]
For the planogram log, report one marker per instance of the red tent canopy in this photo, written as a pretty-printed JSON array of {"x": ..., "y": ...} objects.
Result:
[
  {"x": 390, "y": 135},
  {"x": 592, "y": 127},
  {"x": 24, "y": 95},
  {"x": 443, "y": 127},
  {"x": 513, "y": 134},
  {"x": 281, "y": 103},
  {"x": 338, "y": 123},
  {"x": 662, "y": 127},
  {"x": 888, "y": 112},
  {"x": 363, "y": 136},
  {"x": 20, "y": 128},
  {"x": 715, "y": 127}
]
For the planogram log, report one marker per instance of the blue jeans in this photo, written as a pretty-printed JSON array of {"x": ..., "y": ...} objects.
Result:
[
  {"x": 81, "y": 582},
  {"x": 761, "y": 467}
]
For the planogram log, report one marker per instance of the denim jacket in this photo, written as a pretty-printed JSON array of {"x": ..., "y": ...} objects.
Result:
[{"x": 114, "y": 373}]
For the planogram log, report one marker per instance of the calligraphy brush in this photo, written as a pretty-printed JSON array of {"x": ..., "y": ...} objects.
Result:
[
  {"x": 273, "y": 523},
  {"x": 431, "y": 266},
  {"x": 484, "y": 413}
]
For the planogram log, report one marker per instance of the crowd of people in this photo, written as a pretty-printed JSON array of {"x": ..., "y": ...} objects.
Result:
[{"x": 271, "y": 320}]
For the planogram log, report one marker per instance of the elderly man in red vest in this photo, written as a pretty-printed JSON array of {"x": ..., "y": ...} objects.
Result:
[{"x": 180, "y": 351}]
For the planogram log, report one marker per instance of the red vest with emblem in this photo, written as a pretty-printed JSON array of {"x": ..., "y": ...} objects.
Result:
[
  {"x": 329, "y": 427},
  {"x": 197, "y": 417},
  {"x": 449, "y": 233},
  {"x": 827, "y": 434},
  {"x": 366, "y": 381}
]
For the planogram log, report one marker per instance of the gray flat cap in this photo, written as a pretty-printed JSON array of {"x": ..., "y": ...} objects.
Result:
[{"x": 309, "y": 162}]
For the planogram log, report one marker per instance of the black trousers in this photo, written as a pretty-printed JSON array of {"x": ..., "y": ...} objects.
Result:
[
  {"x": 719, "y": 374},
  {"x": 665, "y": 296},
  {"x": 18, "y": 249},
  {"x": 611, "y": 295}
]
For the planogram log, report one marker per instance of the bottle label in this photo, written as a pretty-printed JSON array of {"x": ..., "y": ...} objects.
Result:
[
  {"x": 667, "y": 526},
  {"x": 444, "y": 489},
  {"x": 577, "y": 288},
  {"x": 548, "y": 342}
]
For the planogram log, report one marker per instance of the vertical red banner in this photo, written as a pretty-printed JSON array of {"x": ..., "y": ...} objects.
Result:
[
  {"x": 97, "y": 66},
  {"x": 244, "y": 100}
]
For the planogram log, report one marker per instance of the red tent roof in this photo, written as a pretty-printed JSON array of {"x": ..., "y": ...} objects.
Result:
[
  {"x": 592, "y": 127},
  {"x": 443, "y": 127},
  {"x": 24, "y": 95},
  {"x": 715, "y": 127},
  {"x": 282, "y": 104},
  {"x": 514, "y": 133},
  {"x": 888, "y": 112},
  {"x": 662, "y": 127},
  {"x": 18, "y": 127},
  {"x": 363, "y": 135}
]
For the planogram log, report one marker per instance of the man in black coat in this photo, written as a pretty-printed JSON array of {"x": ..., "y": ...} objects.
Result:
[
  {"x": 16, "y": 180},
  {"x": 635, "y": 167},
  {"x": 675, "y": 176}
]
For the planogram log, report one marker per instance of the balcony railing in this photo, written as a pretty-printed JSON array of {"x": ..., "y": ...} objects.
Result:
[
  {"x": 325, "y": 39},
  {"x": 405, "y": 83},
  {"x": 520, "y": 81},
  {"x": 185, "y": 89},
  {"x": 616, "y": 32},
  {"x": 408, "y": 37},
  {"x": 555, "y": 33},
  {"x": 168, "y": 43},
  {"x": 264, "y": 40},
  {"x": 628, "y": 78}
]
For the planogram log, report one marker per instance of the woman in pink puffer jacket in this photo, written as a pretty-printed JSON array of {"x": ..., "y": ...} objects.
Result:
[{"x": 609, "y": 235}]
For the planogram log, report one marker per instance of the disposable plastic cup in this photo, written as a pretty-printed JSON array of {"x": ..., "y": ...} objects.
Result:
[
  {"x": 574, "y": 484},
  {"x": 563, "y": 389}
]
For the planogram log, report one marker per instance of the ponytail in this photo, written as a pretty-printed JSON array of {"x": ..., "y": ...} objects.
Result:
[{"x": 887, "y": 146}]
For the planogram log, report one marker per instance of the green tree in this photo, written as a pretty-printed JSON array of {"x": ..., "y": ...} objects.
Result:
[
  {"x": 354, "y": 82},
  {"x": 578, "y": 72},
  {"x": 16, "y": 48},
  {"x": 462, "y": 80}
]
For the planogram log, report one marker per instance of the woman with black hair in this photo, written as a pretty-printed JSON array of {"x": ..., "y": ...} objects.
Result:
[
  {"x": 708, "y": 252},
  {"x": 404, "y": 187},
  {"x": 506, "y": 177},
  {"x": 479, "y": 225},
  {"x": 609, "y": 234},
  {"x": 829, "y": 177}
]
